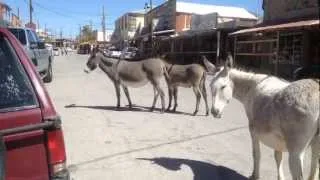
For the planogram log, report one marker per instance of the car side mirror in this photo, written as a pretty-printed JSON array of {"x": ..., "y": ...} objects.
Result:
[{"x": 33, "y": 45}]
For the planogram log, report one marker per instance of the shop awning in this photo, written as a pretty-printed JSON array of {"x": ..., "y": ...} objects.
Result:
[{"x": 286, "y": 26}]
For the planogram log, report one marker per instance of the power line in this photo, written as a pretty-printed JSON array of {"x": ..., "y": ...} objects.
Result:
[{"x": 52, "y": 11}]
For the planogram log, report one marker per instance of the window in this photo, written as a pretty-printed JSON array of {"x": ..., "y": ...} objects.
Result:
[
  {"x": 31, "y": 38},
  {"x": 19, "y": 33},
  {"x": 16, "y": 92}
]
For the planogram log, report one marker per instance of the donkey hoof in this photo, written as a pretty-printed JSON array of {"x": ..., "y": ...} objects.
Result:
[
  {"x": 162, "y": 111},
  {"x": 253, "y": 177},
  {"x": 151, "y": 109},
  {"x": 195, "y": 113},
  {"x": 207, "y": 113}
]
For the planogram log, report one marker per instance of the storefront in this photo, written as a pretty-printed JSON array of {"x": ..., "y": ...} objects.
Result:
[{"x": 278, "y": 49}]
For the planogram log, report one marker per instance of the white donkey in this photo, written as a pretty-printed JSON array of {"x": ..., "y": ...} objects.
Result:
[{"x": 282, "y": 115}]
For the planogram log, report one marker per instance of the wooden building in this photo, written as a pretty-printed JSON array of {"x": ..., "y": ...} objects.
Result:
[
  {"x": 288, "y": 39},
  {"x": 184, "y": 30}
]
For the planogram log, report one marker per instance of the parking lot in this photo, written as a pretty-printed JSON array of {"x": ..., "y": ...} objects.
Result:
[{"x": 105, "y": 143}]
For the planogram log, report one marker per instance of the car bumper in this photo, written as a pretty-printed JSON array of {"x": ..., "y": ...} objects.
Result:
[{"x": 63, "y": 175}]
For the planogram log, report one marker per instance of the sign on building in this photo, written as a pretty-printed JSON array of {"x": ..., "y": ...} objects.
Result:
[{"x": 204, "y": 22}]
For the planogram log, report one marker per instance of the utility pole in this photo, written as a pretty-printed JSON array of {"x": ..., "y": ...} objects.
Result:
[
  {"x": 91, "y": 24},
  {"x": 151, "y": 26},
  {"x": 60, "y": 33},
  {"x": 103, "y": 25},
  {"x": 79, "y": 33},
  {"x": 30, "y": 10},
  {"x": 38, "y": 24}
]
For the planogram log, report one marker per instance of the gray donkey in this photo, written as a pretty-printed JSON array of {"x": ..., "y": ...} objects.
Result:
[
  {"x": 125, "y": 73},
  {"x": 190, "y": 75}
]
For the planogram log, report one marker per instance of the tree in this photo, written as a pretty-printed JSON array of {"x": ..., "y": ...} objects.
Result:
[{"x": 87, "y": 34}]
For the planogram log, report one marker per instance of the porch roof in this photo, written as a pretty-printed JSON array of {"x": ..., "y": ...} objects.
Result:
[{"x": 286, "y": 26}]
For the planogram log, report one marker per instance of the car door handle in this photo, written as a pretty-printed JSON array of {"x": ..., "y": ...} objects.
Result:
[{"x": 53, "y": 123}]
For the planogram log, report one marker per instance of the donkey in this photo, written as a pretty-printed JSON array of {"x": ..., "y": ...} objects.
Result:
[
  {"x": 135, "y": 74},
  {"x": 284, "y": 116},
  {"x": 191, "y": 75}
]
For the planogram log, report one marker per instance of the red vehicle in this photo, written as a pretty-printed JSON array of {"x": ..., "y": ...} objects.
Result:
[{"x": 31, "y": 138}]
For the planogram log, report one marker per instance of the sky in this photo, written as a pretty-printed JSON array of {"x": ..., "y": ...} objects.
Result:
[{"x": 68, "y": 15}]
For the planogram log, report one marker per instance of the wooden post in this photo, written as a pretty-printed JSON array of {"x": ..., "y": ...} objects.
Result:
[
  {"x": 218, "y": 47},
  {"x": 277, "y": 54},
  {"x": 235, "y": 50}
]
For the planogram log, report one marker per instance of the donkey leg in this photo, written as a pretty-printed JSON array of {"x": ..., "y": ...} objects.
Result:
[
  {"x": 126, "y": 91},
  {"x": 256, "y": 154},
  {"x": 296, "y": 165},
  {"x": 204, "y": 95},
  {"x": 196, "y": 91},
  {"x": 117, "y": 87},
  {"x": 315, "y": 148},
  {"x": 160, "y": 91},
  {"x": 175, "y": 95},
  {"x": 155, "y": 97},
  {"x": 170, "y": 91},
  {"x": 278, "y": 158}
]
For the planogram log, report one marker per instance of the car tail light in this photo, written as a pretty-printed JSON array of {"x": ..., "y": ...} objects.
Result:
[{"x": 57, "y": 152}]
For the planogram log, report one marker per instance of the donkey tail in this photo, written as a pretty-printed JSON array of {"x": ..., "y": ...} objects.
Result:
[{"x": 165, "y": 71}]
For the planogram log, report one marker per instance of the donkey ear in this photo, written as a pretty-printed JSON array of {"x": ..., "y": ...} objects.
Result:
[
  {"x": 211, "y": 69},
  {"x": 229, "y": 61}
]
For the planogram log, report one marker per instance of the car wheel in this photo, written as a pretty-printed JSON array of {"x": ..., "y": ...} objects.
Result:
[{"x": 49, "y": 75}]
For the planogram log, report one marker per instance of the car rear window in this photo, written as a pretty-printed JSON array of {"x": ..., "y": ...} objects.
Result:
[
  {"x": 16, "y": 92},
  {"x": 19, "y": 33}
]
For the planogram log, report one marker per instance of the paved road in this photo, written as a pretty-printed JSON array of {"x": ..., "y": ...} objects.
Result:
[{"x": 103, "y": 143}]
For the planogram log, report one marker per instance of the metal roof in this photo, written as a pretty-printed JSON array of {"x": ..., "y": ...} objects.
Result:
[
  {"x": 225, "y": 11},
  {"x": 292, "y": 25}
]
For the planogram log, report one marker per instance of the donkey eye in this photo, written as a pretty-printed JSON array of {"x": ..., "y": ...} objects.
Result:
[{"x": 223, "y": 87}]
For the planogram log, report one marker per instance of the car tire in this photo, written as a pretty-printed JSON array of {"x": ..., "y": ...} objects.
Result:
[{"x": 48, "y": 78}]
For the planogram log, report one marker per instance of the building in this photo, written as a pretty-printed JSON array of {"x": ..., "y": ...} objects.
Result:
[
  {"x": 287, "y": 39},
  {"x": 5, "y": 14},
  {"x": 107, "y": 37},
  {"x": 15, "y": 21},
  {"x": 126, "y": 27},
  {"x": 191, "y": 28}
]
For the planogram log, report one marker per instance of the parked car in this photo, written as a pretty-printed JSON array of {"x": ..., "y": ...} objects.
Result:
[
  {"x": 84, "y": 48},
  {"x": 36, "y": 51},
  {"x": 129, "y": 53},
  {"x": 69, "y": 49},
  {"x": 31, "y": 137},
  {"x": 56, "y": 51},
  {"x": 50, "y": 48}
]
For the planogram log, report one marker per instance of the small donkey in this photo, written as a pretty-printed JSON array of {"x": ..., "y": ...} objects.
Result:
[
  {"x": 191, "y": 75},
  {"x": 134, "y": 74}
]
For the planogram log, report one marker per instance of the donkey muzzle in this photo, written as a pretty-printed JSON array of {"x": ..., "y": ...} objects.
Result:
[
  {"x": 86, "y": 70},
  {"x": 216, "y": 113}
]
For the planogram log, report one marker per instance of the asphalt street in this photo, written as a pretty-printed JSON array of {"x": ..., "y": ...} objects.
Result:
[{"x": 105, "y": 143}]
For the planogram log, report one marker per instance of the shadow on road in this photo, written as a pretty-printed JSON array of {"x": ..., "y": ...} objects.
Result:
[
  {"x": 201, "y": 170},
  {"x": 110, "y": 108},
  {"x": 134, "y": 108},
  {"x": 74, "y": 167}
]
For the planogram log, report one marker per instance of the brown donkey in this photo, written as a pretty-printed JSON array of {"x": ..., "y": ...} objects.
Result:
[
  {"x": 134, "y": 74},
  {"x": 191, "y": 75}
]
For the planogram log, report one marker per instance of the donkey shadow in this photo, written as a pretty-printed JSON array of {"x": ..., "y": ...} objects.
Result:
[
  {"x": 201, "y": 170},
  {"x": 134, "y": 108}
]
